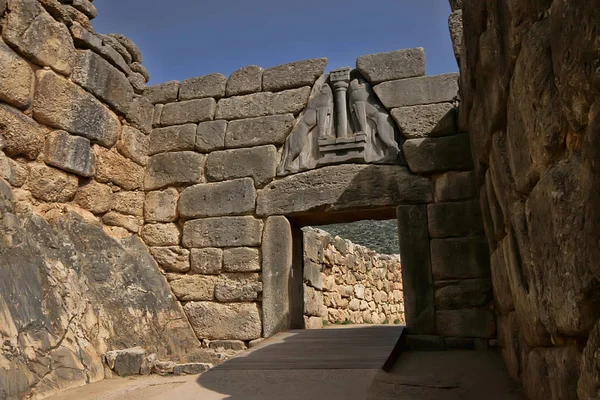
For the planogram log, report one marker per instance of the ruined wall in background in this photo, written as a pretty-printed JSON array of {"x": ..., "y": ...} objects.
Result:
[
  {"x": 529, "y": 89},
  {"x": 348, "y": 283}
]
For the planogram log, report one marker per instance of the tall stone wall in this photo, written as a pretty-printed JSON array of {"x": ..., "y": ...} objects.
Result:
[
  {"x": 348, "y": 283},
  {"x": 529, "y": 89}
]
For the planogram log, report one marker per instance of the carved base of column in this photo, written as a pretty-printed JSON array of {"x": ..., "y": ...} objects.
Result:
[{"x": 343, "y": 150}]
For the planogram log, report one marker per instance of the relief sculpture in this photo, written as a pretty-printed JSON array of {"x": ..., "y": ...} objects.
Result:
[{"x": 343, "y": 123}]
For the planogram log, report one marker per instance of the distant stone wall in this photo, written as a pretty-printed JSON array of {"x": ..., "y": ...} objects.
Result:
[{"x": 348, "y": 283}]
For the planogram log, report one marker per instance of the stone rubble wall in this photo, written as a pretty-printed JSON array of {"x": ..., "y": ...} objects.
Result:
[
  {"x": 348, "y": 283},
  {"x": 529, "y": 89}
]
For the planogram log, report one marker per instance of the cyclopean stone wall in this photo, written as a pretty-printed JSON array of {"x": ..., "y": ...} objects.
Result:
[
  {"x": 529, "y": 88},
  {"x": 348, "y": 283}
]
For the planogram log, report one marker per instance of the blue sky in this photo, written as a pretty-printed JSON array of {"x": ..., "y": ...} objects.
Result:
[{"x": 186, "y": 38}]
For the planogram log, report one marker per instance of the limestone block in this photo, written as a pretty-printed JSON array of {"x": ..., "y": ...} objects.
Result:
[
  {"x": 157, "y": 114},
  {"x": 126, "y": 362},
  {"x": 313, "y": 300},
  {"x": 293, "y": 75},
  {"x": 502, "y": 291},
  {"x": 141, "y": 114},
  {"x": 464, "y": 293},
  {"x": 161, "y": 235},
  {"x": 134, "y": 51},
  {"x": 429, "y": 120},
  {"x": 113, "y": 167},
  {"x": 184, "y": 112},
  {"x": 237, "y": 197},
  {"x": 429, "y": 155},
  {"x": 454, "y": 219},
  {"x": 130, "y": 203},
  {"x": 236, "y": 345},
  {"x": 259, "y": 163},
  {"x": 212, "y": 85},
  {"x": 244, "y": 81},
  {"x": 343, "y": 187},
  {"x": 94, "y": 197},
  {"x": 86, "y": 7},
  {"x": 31, "y": 30},
  {"x": 261, "y": 104},
  {"x": 16, "y": 78},
  {"x": 172, "y": 138},
  {"x": 238, "y": 288},
  {"x": 162, "y": 93},
  {"x": 241, "y": 259},
  {"x": 455, "y": 23},
  {"x": 191, "y": 368},
  {"x": 207, "y": 261},
  {"x": 466, "y": 323},
  {"x": 112, "y": 56},
  {"x": 277, "y": 257},
  {"x": 460, "y": 258},
  {"x": 172, "y": 259},
  {"x": 133, "y": 144},
  {"x": 211, "y": 136},
  {"x": 139, "y": 68},
  {"x": 161, "y": 206},
  {"x": 416, "y": 91},
  {"x": 173, "y": 169},
  {"x": 399, "y": 64},
  {"x": 69, "y": 153},
  {"x": 22, "y": 135},
  {"x": 313, "y": 323},
  {"x": 233, "y": 321},
  {"x": 106, "y": 82},
  {"x": 14, "y": 172},
  {"x": 50, "y": 184},
  {"x": 453, "y": 186},
  {"x": 416, "y": 268},
  {"x": 138, "y": 82},
  {"x": 132, "y": 224},
  {"x": 64, "y": 105},
  {"x": 312, "y": 274},
  {"x": 192, "y": 287},
  {"x": 258, "y": 131},
  {"x": 223, "y": 232}
]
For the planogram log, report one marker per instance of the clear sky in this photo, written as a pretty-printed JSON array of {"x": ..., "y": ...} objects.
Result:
[{"x": 186, "y": 38}]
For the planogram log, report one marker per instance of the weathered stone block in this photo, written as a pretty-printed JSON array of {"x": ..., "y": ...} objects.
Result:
[
  {"x": 261, "y": 104},
  {"x": 502, "y": 291},
  {"x": 64, "y": 105},
  {"x": 260, "y": 163},
  {"x": 212, "y": 85},
  {"x": 109, "y": 84},
  {"x": 161, "y": 206},
  {"x": 94, "y": 197},
  {"x": 132, "y": 49},
  {"x": 16, "y": 78},
  {"x": 86, "y": 7},
  {"x": 344, "y": 187},
  {"x": 173, "y": 138},
  {"x": 453, "y": 186},
  {"x": 191, "y": 368},
  {"x": 313, "y": 322},
  {"x": 277, "y": 258},
  {"x": 455, "y": 23},
  {"x": 30, "y": 29},
  {"x": 207, "y": 261},
  {"x": 130, "y": 203},
  {"x": 172, "y": 259},
  {"x": 238, "y": 288},
  {"x": 437, "y": 155},
  {"x": 210, "y": 136},
  {"x": 22, "y": 135},
  {"x": 416, "y": 91},
  {"x": 173, "y": 169},
  {"x": 464, "y": 293},
  {"x": 257, "y": 131},
  {"x": 157, "y": 114},
  {"x": 113, "y": 167},
  {"x": 466, "y": 323},
  {"x": 313, "y": 301},
  {"x": 190, "y": 111},
  {"x": 454, "y": 219},
  {"x": 223, "y": 232},
  {"x": 238, "y": 321},
  {"x": 70, "y": 153},
  {"x": 192, "y": 287},
  {"x": 416, "y": 269},
  {"x": 241, "y": 259},
  {"x": 399, "y": 64},
  {"x": 126, "y": 362},
  {"x": 236, "y": 345},
  {"x": 244, "y": 81},
  {"x": 50, "y": 184},
  {"x": 430, "y": 120},
  {"x": 141, "y": 114},
  {"x": 293, "y": 75},
  {"x": 162, "y": 93},
  {"x": 312, "y": 274},
  {"x": 133, "y": 145},
  {"x": 460, "y": 258},
  {"x": 161, "y": 235},
  {"x": 132, "y": 224},
  {"x": 237, "y": 197}
]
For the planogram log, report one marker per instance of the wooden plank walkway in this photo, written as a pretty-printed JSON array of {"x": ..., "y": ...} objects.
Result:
[{"x": 359, "y": 347}]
